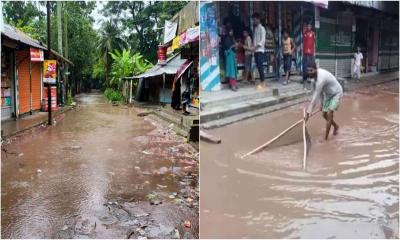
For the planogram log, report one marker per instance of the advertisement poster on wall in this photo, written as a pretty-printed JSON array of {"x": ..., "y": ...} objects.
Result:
[
  {"x": 50, "y": 71},
  {"x": 209, "y": 52}
]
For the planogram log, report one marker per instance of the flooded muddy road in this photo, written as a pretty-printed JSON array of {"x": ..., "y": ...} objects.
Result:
[
  {"x": 100, "y": 172},
  {"x": 349, "y": 189}
]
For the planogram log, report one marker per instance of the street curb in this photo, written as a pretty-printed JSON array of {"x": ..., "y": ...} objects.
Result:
[
  {"x": 369, "y": 84},
  {"x": 178, "y": 131},
  {"x": 251, "y": 114},
  {"x": 13, "y": 134},
  {"x": 282, "y": 104},
  {"x": 217, "y": 116}
]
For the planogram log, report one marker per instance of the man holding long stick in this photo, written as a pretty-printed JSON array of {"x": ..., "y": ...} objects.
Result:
[{"x": 329, "y": 91}]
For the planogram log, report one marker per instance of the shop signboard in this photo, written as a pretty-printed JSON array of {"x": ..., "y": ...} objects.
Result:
[
  {"x": 50, "y": 71},
  {"x": 37, "y": 55}
]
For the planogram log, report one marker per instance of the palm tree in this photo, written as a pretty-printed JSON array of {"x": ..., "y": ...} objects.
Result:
[{"x": 110, "y": 39}]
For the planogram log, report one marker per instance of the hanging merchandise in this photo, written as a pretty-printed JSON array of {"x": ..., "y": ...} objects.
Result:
[
  {"x": 170, "y": 30},
  {"x": 192, "y": 34},
  {"x": 183, "y": 39},
  {"x": 175, "y": 42}
]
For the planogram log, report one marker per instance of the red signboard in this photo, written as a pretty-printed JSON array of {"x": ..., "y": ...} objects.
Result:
[
  {"x": 37, "y": 55},
  {"x": 162, "y": 54},
  {"x": 53, "y": 99}
]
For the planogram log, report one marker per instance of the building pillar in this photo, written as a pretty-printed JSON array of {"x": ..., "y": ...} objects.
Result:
[{"x": 279, "y": 54}]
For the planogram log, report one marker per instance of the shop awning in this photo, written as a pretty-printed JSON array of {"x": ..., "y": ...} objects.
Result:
[
  {"x": 15, "y": 34},
  {"x": 172, "y": 66},
  {"x": 59, "y": 56},
  {"x": 19, "y": 36}
]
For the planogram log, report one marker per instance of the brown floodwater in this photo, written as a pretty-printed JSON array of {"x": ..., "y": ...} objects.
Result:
[
  {"x": 100, "y": 172},
  {"x": 349, "y": 189}
]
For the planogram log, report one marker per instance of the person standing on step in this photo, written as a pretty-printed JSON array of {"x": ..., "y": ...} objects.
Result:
[
  {"x": 231, "y": 71},
  {"x": 308, "y": 48},
  {"x": 289, "y": 48},
  {"x": 258, "y": 48},
  {"x": 248, "y": 55}
]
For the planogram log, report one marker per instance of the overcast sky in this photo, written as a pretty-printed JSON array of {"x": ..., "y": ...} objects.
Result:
[{"x": 97, "y": 15}]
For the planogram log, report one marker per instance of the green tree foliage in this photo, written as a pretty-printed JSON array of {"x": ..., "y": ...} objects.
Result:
[
  {"x": 21, "y": 12},
  {"x": 144, "y": 21},
  {"x": 126, "y": 64},
  {"x": 81, "y": 36},
  {"x": 108, "y": 41}
]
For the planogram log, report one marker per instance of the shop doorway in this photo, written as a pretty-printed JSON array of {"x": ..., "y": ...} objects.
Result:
[{"x": 7, "y": 84}]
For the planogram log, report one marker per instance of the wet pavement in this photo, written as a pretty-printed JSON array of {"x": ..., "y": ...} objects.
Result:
[
  {"x": 349, "y": 189},
  {"x": 100, "y": 172}
]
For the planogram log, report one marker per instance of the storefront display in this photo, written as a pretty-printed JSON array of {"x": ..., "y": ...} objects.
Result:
[{"x": 6, "y": 85}]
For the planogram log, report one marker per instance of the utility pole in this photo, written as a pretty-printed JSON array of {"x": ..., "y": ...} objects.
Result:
[
  {"x": 67, "y": 85},
  {"x": 61, "y": 80},
  {"x": 59, "y": 28},
  {"x": 50, "y": 120}
]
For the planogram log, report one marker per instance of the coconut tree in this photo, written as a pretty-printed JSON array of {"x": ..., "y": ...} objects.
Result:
[{"x": 110, "y": 39}]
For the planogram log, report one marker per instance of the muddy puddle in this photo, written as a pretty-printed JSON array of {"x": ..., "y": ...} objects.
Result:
[
  {"x": 349, "y": 188},
  {"x": 100, "y": 172}
]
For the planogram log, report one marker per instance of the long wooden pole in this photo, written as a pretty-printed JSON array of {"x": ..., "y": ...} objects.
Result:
[
  {"x": 304, "y": 140},
  {"x": 277, "y": 137}
]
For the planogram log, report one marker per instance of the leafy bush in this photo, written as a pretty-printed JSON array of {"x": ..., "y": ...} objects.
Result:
[
  {"x": 113, "y": 95},
  {"x": 69, "y": 98}
]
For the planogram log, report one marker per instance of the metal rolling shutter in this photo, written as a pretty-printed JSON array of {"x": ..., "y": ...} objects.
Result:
[
  {"x": 325, "y": 48},
  {"x": 343, "y": 50},
  {"x": 23, "y": 59},
  {"x": 36, "y": 81}
]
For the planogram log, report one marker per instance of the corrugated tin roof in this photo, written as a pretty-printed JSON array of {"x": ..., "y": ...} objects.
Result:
[
  {"x": 173, "y": 64},
  {"x": 17, "y": 35}
]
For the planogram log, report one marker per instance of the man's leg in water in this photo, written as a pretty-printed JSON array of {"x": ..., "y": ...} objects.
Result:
[{"x": 329, "y": 121}]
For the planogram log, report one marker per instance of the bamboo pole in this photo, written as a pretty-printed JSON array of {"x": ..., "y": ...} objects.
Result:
[
  {"x": 304, "y": 140},
  {"x": 276, "y": 137}
]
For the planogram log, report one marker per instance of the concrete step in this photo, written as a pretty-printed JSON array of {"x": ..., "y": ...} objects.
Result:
[
  {"x": 247, "y": 93},
  {"x": 252, "y": 114},
  {"x": 187, "y": 126},
  {"x": 228, "y": 110},
  {"x": 234, "y": 99}
]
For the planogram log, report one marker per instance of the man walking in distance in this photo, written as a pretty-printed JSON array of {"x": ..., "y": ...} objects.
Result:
[
  {"x": 258, "y": 48},
  {"x": 330, "y": 92}
]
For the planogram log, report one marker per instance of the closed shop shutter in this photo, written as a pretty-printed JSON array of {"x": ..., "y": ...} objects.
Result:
[
  {"x": 36, "y": 82},
  {"x": 325, "y": 44},
  {"x": 394, "y": 51},
  {"x": 343, "y": 50},
  {"x": 388, "y": 46},
  {"x": 384, "y": 50},
  {"x": 23, "y": 59},
  {"x": 334, "y": 46}
]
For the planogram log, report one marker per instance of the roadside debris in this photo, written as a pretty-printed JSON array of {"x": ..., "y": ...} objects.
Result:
[{"x": 188, "y": 224}]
